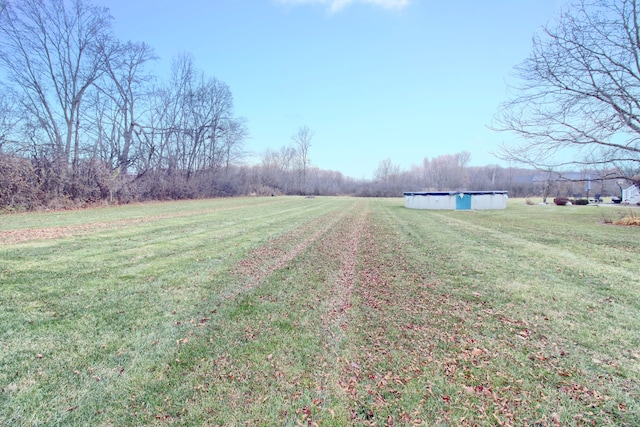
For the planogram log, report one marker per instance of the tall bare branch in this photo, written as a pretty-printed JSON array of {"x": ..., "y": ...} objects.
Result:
[{"x": 577, "y": 100}]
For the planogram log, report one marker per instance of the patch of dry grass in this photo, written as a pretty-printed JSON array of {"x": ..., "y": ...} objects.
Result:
[{"x": 629, "y": 220}]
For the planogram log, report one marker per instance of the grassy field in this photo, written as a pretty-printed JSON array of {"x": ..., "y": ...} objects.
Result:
[{"x": 322, "y": 311}]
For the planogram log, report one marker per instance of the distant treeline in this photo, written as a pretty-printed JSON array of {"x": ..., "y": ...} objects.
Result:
[{"x": 26, "y": 185}]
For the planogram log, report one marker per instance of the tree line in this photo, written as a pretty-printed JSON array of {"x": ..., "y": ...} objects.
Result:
[
  {"x": 452, "y": 172},
  {"x": 82, "y": 118}
]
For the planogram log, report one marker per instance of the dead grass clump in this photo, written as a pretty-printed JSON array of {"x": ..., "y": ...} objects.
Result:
[{"x": 628, "y": 220}]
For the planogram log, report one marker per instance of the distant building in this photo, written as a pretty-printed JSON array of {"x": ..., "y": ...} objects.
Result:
[{"x": 631, "y": 195}]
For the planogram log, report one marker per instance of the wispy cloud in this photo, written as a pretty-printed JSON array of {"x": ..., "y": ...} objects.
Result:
[{"x": 338, "y": 5}]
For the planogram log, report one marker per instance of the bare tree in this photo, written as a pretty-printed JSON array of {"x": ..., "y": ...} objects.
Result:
[
  {"x": 197, "y": 120},
  {"x": 578, "y": 100},
  {"x": 53, "y": 51},
  {"x": 124, "y": 84},
  {"x": 162, "y": 135},
  {"x": 9, "y": 119},
  {"x": 279, "y": 169},
  {"x": 270, "y": 170},
  {"x": 446, "y": 172},
  {"x": 302, "y": 143},
  {"x": 386, "y": 179},
  {"x": 207, "y": 109},
  {"x": 236, "y": 133}
]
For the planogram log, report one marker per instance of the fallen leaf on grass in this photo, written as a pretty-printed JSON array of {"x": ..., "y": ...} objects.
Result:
[
  {"x": 476, "y": 352},
  {"x": 469, "y": 389}
]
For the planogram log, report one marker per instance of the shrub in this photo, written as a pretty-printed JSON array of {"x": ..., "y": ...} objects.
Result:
[
  {"x": 19, "y": 186},
  {"x": 581, "y": 202},
  {"x": 561, "y": 201}
]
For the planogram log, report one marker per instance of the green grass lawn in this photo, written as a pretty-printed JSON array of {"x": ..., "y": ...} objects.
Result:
[{"x": 322, "y": 311}]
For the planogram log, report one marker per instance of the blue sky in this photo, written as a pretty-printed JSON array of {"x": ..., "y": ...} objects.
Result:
[{"x": 373, "y": 79}]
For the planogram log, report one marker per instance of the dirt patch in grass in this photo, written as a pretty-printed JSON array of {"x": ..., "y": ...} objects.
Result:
[
  {"x": 49, "y": 233},
  {"x": 273, "y": 256},
  {"x": 630, "y": 220},
  {"x": 345, "y": 248},
  {"x": 59, "y": 232}
]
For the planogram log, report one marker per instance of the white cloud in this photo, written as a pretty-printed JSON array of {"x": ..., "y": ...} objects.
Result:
[{"x": 338, "y": 5}]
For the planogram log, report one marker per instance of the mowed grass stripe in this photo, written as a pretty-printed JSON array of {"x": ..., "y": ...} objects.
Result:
[
  {"x": 578, "y": 323},
  {"x": 135, "y": 217},
  {"x": 266, "y": 357},
  {"x": 132, "y": 213},
  {"x": 78, "y": 289},
  {"x": 550, "y": 281}
]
